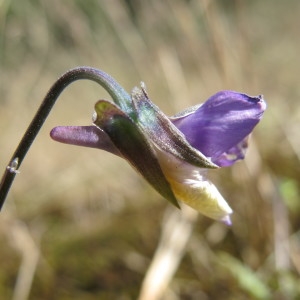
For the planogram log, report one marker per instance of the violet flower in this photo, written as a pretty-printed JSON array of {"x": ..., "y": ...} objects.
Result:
[{"x": 172, "y": 154}]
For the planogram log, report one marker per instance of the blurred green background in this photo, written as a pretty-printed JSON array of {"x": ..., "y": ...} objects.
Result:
[{"x": 80, "y": 223}]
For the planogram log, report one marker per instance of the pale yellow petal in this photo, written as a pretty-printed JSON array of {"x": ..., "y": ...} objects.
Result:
[{"x": 189, "y": 186}]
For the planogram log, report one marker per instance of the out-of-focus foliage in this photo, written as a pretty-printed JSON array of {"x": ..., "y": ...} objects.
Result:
[{"x": 79, "y": 222}]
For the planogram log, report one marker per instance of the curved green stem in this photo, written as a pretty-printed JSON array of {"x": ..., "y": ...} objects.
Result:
[{"x": 118, "y": 94}]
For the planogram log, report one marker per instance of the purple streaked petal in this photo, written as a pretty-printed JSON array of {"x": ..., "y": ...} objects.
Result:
[
  {"x": 87, "y": 136},
  {"x": 217, "y": 127}
]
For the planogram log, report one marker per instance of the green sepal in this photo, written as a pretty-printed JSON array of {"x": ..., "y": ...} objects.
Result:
[
  {"x": 164, "y": 133},
  {"x": 133, "y": 145}
]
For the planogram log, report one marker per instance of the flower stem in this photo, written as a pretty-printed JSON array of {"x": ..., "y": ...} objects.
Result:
[{"x": 119, "y": 95}]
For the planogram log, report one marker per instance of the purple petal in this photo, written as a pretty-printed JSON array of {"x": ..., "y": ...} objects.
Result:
[
  {"x": 235, "y": 153},
  {"x": 87, "y": 136},
  {"x": 219, "y": 127}
]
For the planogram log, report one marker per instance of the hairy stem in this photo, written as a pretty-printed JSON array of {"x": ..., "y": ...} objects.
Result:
[{"x": 119, "y": 95}]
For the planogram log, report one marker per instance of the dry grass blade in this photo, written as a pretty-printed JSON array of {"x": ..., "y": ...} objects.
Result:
[{"x": 176, "y": 231}]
